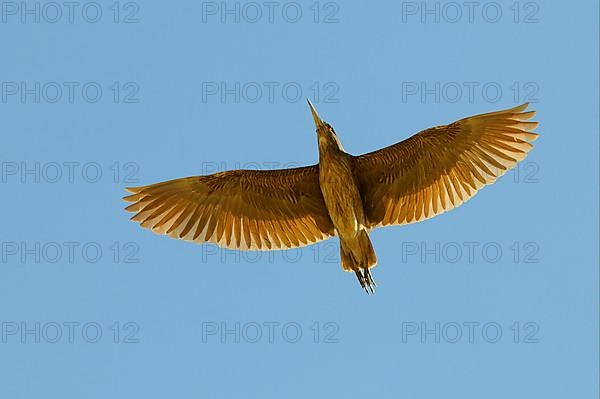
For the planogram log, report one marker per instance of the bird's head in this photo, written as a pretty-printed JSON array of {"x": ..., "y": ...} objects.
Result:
[{"x": 325, "y": 133}]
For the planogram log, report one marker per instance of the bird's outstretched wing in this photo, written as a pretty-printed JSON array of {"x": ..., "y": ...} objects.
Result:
[
  {"x": 440, "y": 168},
  {"x": 239, "y": 209}
]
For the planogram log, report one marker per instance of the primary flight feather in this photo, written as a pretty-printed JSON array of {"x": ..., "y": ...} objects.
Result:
[{"x": 434, "y": 171}]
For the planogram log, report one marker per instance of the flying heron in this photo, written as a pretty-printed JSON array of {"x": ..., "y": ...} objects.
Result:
[{"x": 433, "y": 171}]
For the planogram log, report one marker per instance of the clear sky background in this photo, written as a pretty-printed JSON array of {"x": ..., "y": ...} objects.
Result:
[{"x": 497, "y": 299}]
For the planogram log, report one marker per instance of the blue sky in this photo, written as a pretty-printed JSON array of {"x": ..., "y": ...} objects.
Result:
[{"x": 498, "y": 298}]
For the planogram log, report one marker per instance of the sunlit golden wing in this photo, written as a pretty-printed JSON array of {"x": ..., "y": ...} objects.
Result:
[
  {"x": 442, "y": 167},
  {"x": 239, "y": 209}
]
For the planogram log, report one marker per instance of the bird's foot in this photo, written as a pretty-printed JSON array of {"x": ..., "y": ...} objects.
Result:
[
  {"x": 366, "y": 280},
  {"x": 370, "y": 280}
]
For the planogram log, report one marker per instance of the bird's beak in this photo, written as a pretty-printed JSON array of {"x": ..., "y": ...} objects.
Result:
[{"x": 318, "y": 121}]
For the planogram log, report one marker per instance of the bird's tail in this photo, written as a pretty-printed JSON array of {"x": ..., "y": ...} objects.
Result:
[{"x": 357, "y": 253}]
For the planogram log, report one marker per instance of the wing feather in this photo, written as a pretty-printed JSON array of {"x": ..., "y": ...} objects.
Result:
[
  {"x": 442, "y": 167},
  {"x": 240, "y": 209}
]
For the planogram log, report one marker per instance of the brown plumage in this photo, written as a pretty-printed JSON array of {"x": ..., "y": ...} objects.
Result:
[{"x": 429, "y": 173}]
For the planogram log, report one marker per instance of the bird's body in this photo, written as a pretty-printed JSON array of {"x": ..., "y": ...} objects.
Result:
[
  {"x": 344, "y": 205},
  {"x": 341, "y": 195},
  {"x": 427, "y": 174}
]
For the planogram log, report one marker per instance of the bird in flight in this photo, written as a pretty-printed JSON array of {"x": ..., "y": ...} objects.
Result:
[{"x": 432, "y": 172}]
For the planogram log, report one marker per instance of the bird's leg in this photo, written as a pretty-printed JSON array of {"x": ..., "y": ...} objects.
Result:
[
  {"x": 361, "y": 280},
  {"x": 369, "y": 279},
  {"x": 369, "y": 282}
]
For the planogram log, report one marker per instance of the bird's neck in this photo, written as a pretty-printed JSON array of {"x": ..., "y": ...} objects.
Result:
[
  {"x": 329, "y": 151},
  {"x": 329, "y": 145}
]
